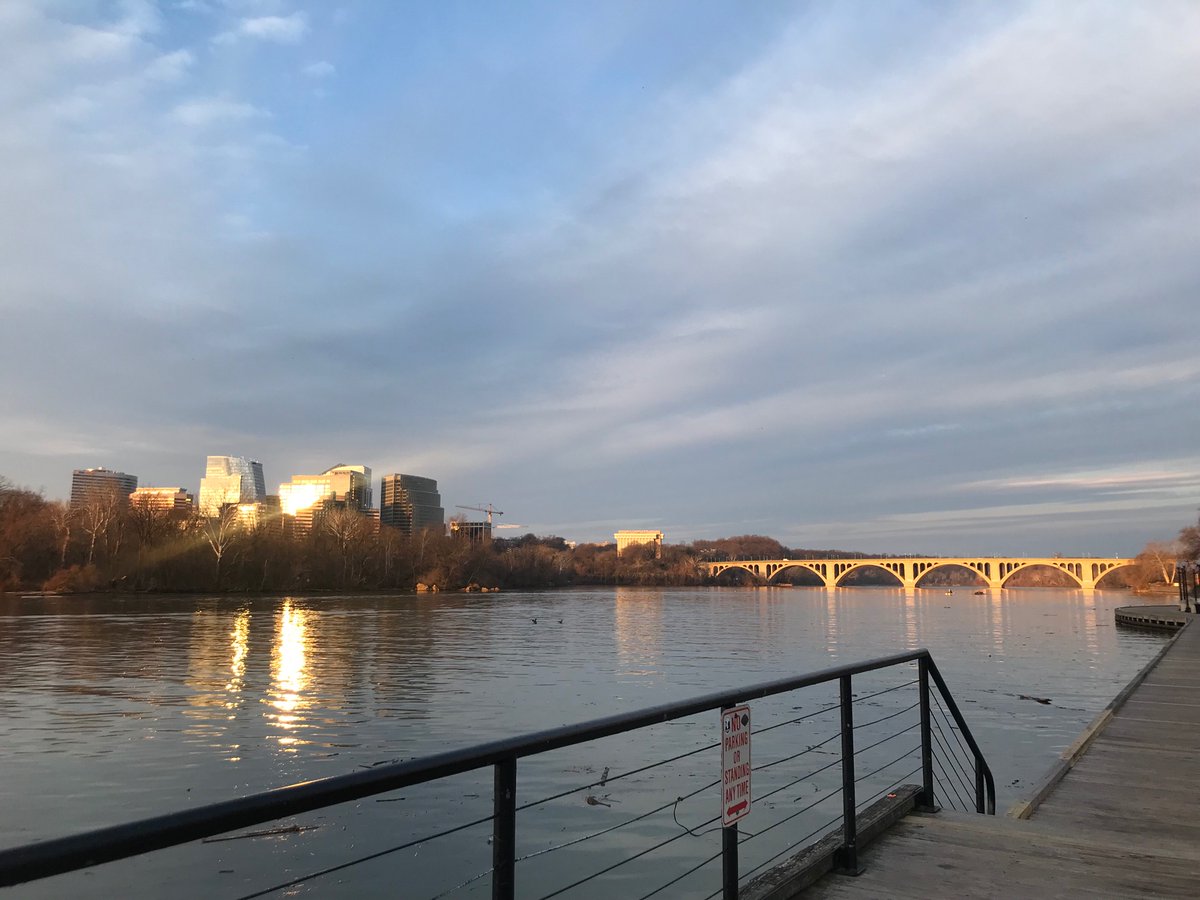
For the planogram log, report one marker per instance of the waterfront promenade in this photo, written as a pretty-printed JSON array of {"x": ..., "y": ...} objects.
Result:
[{"x": 1118, "y": 817}]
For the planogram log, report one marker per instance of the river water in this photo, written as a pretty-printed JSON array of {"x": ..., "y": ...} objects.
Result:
[{"x": 114, "y": 708}]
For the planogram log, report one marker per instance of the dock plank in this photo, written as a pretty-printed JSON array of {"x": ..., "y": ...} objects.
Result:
[{"x": 1122, "y": 822}]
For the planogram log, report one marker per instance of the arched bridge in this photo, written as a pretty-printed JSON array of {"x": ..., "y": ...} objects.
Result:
[{"x": 995, "y": 571}]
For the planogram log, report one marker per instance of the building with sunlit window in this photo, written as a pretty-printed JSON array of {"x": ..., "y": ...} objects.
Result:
[
  {"x": 475, "y": 532},
  {"x": 92, "y": 485},
  {"x": 305, "y": 496},
  {"x": 630, "y": 538},
  {"x": 169, "y": 499},
  {"x": 231, "y": 481}
]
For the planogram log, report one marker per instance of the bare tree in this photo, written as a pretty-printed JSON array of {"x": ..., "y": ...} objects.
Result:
[
  {"x": 1189, "y": 542},
  {"x": 62, "y": 517},
  {"x": 1159, "y": 558},
  {"x": 98, "y": 517},
  {"x": 222, "y": 531},
  {"x": 349, "y": 529}
]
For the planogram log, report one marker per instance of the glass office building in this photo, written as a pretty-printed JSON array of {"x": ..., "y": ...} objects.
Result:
[
  {"x": 231, "y": 480},
  {"x": 340, "y": 486},
  {"x": 410, "y": 503},
  {"x": 90, "y": 485}
]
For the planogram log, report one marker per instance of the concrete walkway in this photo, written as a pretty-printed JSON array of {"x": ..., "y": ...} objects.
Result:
[{"x": 1120, "y": 817}]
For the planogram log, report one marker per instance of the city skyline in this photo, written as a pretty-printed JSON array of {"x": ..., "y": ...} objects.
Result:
[{"x": 871, "y": 278}]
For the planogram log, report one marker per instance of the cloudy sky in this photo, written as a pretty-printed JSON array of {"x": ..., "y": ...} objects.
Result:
[{"x": 880, "y": 276}]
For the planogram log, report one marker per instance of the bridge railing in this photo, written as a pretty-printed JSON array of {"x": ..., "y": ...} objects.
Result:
[{"x": 871, "y": 725}]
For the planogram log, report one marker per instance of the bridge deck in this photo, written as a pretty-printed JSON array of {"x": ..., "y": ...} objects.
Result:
[{"x": 1123, "y": 822}]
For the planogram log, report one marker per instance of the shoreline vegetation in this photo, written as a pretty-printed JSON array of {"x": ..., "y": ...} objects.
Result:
[{"x": 110, "y": 545}]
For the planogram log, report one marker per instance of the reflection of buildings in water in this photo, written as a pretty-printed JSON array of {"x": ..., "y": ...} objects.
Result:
[
  {"x": 218, "y": 647},
  {"x": 288, "y": 676},
  {"x": 239, "y": 644},
  {"x": 638, "y": 625},
  {"x": 208, "y": 647}
]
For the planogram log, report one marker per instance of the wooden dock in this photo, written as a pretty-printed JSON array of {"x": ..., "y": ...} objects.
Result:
[
  {"x": 1118, "y": 817},
  {"x": 1168, "y": 617}
]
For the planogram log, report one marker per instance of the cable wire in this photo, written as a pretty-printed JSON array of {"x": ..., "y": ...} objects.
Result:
[
  {"x": 363, "y": 859},
  {"x": 679, "y": 878},
  {"x": 885, "y": 718}
]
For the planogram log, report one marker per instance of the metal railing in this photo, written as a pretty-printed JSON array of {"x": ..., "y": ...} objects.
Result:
[{"x": 952, "y": 770}]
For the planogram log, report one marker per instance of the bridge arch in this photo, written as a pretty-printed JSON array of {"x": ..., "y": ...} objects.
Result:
[
  {"x": 816, "y": 568},
  {"x": 981, "y": 571},
  {"x": 1102, "y": 568},
  {"x": 1073, "y": 569},
  {"x": 844, "y": 568},
  {"x": 754, "y": 569}
]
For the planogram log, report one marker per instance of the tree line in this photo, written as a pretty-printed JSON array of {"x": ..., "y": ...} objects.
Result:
[{"x": 110, "y": 544}]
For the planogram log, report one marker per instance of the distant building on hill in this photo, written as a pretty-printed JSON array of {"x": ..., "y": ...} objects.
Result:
[
  {"x": 475, "y": 532},
  {"x": 306, "y": 496},
  {"x": 631, "y": 538},
  {"x": 410, "y": 503},
  {"x": 231, "y": 481},
  {"x": 171, "y": 499},
  {"x": 90, "y": 485}
]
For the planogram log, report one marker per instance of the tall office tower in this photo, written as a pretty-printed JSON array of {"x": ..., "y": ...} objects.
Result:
[
  {"x": 340, "y": 486},
  {"x": 410, "y": 503},
  {"x": 88, "y": 485},
  {"x": 231, "y": 480}
]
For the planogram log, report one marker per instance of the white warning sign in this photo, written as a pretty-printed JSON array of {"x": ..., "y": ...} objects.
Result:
[{"x": 735, "y": 763}]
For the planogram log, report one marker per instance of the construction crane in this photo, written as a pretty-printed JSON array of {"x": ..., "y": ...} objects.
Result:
[{"x": 489, "y": 509}]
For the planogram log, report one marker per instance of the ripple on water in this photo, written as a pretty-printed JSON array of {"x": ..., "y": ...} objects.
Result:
[{"x": 121, "y": 707}]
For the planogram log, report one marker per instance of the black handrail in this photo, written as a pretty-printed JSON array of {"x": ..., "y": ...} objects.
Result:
[{"x": 61, "y": 855}]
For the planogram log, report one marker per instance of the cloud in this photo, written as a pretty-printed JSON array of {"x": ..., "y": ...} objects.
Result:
[
  {"x": 289, "y": 29},
  {"x": 320, "y": 69},
  {"x": 209, "y": 111},
  {"x": 170, "y": 67},
  {"x": 1179, "y": 477},
  {"x": 869, "y": 279}
]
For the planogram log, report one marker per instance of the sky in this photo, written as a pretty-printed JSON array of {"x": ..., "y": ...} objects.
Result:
[{"x": 881, "y": 276}]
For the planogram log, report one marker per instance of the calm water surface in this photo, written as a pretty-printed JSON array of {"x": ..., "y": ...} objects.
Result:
[{"x": 113, "y": 708}]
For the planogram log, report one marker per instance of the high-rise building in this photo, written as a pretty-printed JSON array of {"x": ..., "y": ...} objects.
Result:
[
  {"x": 340, "y": 486},
  {"x": 172, "y": 499},
  {"x": 90, "y": 485},
  {"x": 231, "y": 480},
  {"x": 410, "y": 503}
]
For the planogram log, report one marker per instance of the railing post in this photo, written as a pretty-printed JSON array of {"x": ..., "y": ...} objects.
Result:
[
  {"x": 926, "y": 801},
  {"x": 729, "y": 852},
  {"x": 979, "y": 791},
  {"x": 729, "y": 862},
  {"x": 846, "y": 859},
  {"x": 504, "y": 830}
]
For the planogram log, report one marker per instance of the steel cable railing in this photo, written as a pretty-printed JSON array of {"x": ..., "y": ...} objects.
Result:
[
  {"x": 642, "y": 816},
  {"x": 67, "y": 854},
  {"x": 952, "y": 775}
]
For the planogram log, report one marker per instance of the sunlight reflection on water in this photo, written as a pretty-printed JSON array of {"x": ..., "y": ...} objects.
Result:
[{"x": 119, "y": 707}]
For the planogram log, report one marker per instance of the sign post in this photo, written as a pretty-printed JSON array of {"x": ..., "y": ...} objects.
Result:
[
  {"x": 735, "y": 790},
  {"x": 735, "y": 763}
]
